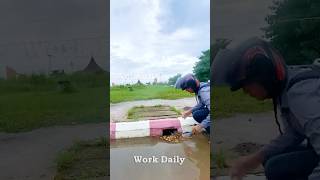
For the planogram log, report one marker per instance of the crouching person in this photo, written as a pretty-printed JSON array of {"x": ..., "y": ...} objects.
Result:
[{"x": 200, "y": 112}]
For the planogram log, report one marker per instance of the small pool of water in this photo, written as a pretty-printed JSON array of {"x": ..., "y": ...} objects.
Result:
[{"x": 153, "y": 159}]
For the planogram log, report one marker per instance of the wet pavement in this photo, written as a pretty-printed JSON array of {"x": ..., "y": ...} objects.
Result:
[
  {"x": 118, "y": 111},
  {"x": 248, "y": 177},
  {"x": 241, "y": 135},
  {"x": 151, "y": 158},
  {"x": 31, "y": 155}
]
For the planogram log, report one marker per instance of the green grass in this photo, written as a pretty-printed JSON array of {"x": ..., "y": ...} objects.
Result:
[
  {"x": 227, "y": 103},
  {"x": 219, "y": 159},
  {"x": 123, "y": 93},
  {"x": 84, "y": 160},
  {"x": 132, "y": 113},
  {"x": 172, "y": 108},
  {"x": 26, "y": 105}
]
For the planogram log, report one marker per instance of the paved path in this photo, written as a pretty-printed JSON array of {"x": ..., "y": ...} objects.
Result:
[
  {"x": 257, "y": 128},
  {"x": 31, "y": 155}
]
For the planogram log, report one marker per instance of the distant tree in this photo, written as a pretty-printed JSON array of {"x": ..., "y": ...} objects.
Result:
[
  {"x": 294, "y": 29},
  {"x": 155, "y": 81},
  {"x": 202, "y": 67},
  {"x": 139, "y": 83},
  {"x": 173, "y": 79}
]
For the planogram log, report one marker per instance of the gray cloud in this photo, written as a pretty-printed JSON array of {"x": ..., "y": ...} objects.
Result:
[
  {"x": 238, "y": 20},
  {"x": 70, "y": 30},
  {"x": 151, "y": 37}
]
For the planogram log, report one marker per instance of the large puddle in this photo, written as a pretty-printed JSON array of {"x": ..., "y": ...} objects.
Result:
[{"x": 150, "y": 158}]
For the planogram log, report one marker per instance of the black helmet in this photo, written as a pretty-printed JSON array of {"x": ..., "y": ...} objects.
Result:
[
  {"x": 254, "y": 60},
  {"x": 187, "y": 81}
]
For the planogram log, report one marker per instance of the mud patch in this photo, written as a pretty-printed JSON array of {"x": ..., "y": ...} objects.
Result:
[
  {"x": 246, "y": 148},
  {"x": 223, "y": 159},
  {"x": 152, "y": 112},
  {"x": 84, "y": 160}
]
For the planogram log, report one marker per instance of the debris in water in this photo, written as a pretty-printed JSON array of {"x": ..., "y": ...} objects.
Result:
[{"x": 173, "y": 138}]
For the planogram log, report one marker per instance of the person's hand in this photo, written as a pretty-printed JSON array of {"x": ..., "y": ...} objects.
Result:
[
  {"x": 241, "y": 166},
  {"x": 185, "y": 114},
  {"x": 196, "y": 129},
  {"x": 238, "y": 169}
]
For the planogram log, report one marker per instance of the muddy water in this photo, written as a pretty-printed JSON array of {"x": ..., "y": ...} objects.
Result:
[{"x": 189, "y": 159}]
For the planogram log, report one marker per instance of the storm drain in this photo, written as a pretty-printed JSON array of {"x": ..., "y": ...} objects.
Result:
[{"x": 168, "y": 132}]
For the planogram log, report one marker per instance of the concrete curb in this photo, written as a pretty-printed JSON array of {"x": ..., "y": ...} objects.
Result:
[{"x": 149, "y": 127}]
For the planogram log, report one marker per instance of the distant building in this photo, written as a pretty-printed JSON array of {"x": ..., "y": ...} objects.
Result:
[
  {"x": 11, "y": 73},
  {"x": 93, "y": 67}
]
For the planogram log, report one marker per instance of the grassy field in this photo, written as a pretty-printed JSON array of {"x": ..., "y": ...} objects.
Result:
[
  {"x": 84, "y": 160},
  {"x": 37, "y": 101},
  {"x": 227, "y": 103},
  {"x": 141, "y": 92}
]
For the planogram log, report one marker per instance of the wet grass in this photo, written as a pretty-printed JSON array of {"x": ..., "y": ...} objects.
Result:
[
  {"x": 144, "y": 92},
  {"x": 219, "y": 159},
  {"x": 178, "y": 111},
  {"x": 38, "y": 101},
  {"x": 84, "y": 160},
  {"x": 227, "y": 103}
]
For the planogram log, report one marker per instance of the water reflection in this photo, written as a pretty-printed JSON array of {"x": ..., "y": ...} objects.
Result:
[{"x": 158, "y": 160}]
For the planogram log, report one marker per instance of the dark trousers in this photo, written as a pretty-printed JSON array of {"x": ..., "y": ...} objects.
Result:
[
  {"x": 199, "y": 114},
  {"x": 294, "y": 164}
]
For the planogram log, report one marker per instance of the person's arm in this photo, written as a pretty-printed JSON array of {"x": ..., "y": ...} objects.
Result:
[
  {"x": 245, "y": 163},
  {"x": 305, "y": 102},
  {"x": 186, "y": 113},
  {"x": 276, "y": 146},
  {"x": 205, "y": 98},
  {"x": 288, "y": 139},
  {"x": 197, "y": 106}
]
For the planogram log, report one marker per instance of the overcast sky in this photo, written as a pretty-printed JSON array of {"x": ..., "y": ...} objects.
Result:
[
  {"x": 156, "y": 38},
  {"x": 238, "y": 20},
  {"x": 70, "y": 30}
]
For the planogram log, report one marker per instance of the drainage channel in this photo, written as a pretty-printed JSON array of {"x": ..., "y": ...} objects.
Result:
[{"x": 147, "y": 128}]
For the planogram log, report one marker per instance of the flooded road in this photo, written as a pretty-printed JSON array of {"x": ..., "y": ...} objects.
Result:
[{"x": 150, "y": 158}]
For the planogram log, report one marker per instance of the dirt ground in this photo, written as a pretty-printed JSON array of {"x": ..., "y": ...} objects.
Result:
[
  {"x": 241, "y": 135},
  {"x": 31, "y": 155}
]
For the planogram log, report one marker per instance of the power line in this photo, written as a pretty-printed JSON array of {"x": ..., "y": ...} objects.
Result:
[{"x": 298, "y": 19}]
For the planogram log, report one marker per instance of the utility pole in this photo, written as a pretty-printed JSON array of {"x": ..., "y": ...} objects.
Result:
[{"x": 50, "y": 63}]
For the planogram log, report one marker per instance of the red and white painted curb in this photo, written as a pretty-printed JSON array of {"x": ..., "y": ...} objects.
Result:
[{"x": 149, "y": 127}]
